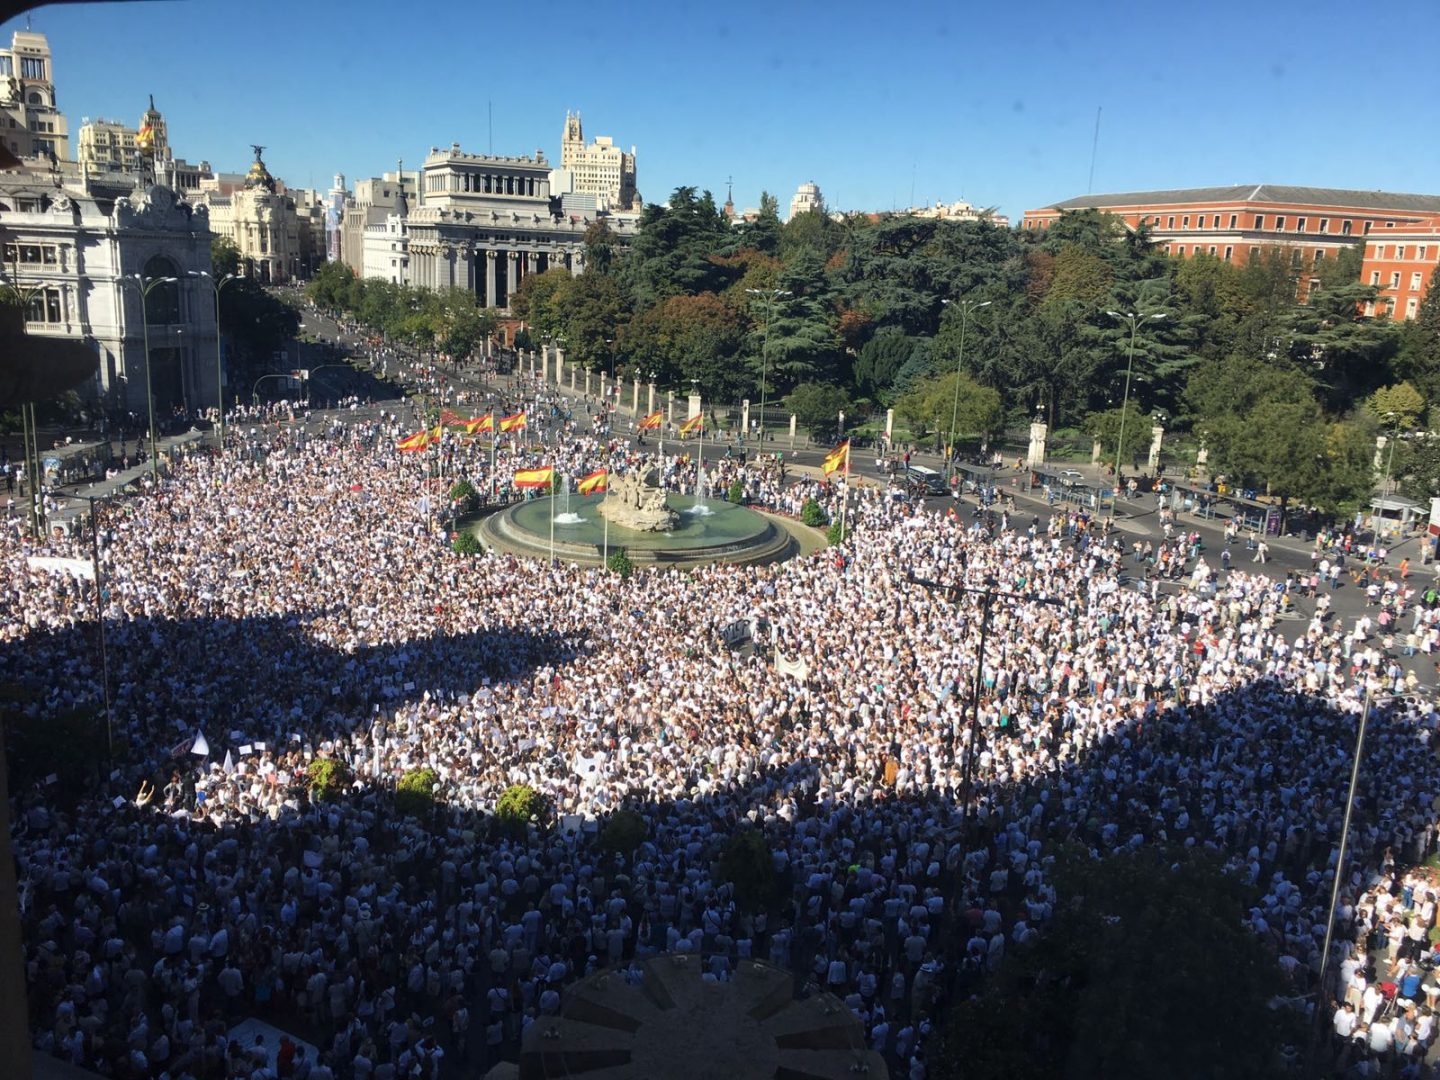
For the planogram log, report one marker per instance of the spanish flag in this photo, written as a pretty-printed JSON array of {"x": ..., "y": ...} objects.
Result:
[
  {"x": 596, "y": 481},
  {"x": 839, "y": 459},
  {"x": 420, "y": 440},
  {"x": 481, "y": 424},
  {"x": 534, "y": 478},
  {"x": 512, "y": 423},
  {"x": 654, "y": 420},
  {"x": 145, "y": 138},
  {"x": 694, "y": 424}
]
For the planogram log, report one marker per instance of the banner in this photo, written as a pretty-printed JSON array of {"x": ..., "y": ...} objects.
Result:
[
  {"x": 81, "y": 568},
  {"x": 796, "y": 669}
]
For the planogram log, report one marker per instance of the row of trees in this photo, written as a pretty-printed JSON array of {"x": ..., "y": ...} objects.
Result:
[{"x": 1273, "y": 365}]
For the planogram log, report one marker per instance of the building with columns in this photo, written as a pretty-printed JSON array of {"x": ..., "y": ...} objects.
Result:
[
  {"x": 374, "y": 201},
  {"x": 72, "y": 255},
  {"x": 31, "y": 123},
  {"x": 108, "y": 149},
  {"x": 280, "y": 236},
  {"x": 601, "y": 169},
  {"x": 486, "y": 222}
]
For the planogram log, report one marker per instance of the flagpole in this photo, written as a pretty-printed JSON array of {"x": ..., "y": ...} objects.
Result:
[
  {"x": 845, "y": 496},
  {"x": 605, "y": 555},
  {"x": 552, "y": 516}
]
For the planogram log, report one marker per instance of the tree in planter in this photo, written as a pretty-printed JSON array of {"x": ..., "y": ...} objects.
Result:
[
  {"x": 812, "y": 513},
  {"x": 415, "y": 792},
  {"x": 328, "y": 778},
  {"x": 737, "y": 492},
  {"x": 623, "y": 833},
  {"x": 620, "y": 563},
  {"x": 466, "y": 543},
  {"x": 520, "y": 806},
  {"x": 463, "y": 495},
  {"x": 835, "y": 534}
]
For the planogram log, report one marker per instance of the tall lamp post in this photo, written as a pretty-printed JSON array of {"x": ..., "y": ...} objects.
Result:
[
  {"x": 1135, "y": 319},
  {"x": 966, "y": 307},
  {"x": 217, "y": 286},
  {"x": 146, "y": 286},
  {"x": 773, "y": 295}
]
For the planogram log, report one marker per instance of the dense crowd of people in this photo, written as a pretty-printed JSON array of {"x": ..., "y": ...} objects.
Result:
[{"x": 295, "y": 599}]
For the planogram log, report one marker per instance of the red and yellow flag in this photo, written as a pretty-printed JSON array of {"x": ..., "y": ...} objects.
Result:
[
  {"x": 481, "y": 424},
  {"x": 596, "y": 481},
  {"x": 420, "y": 440},
  {"x": 512, "y": 423},
  {"x": 654, "y": 420},
  {"x": 838, "y": 459},
  {"x": 694, "y": 424},
  {"x": 450, "y": 418},
  {"x": 534, "y": 478}
]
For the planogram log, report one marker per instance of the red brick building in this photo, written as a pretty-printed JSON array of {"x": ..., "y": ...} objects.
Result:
[{"x": 1400, "y": 233}]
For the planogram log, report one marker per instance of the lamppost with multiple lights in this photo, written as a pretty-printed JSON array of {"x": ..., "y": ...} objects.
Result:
[
  {"x": 966, "y": 307},
  {"x": 1135, "y": 319},
  {"x": 217, "y": 286},
  {"x": 773, "y": 295},
  {"x": 146, "y": 285}
]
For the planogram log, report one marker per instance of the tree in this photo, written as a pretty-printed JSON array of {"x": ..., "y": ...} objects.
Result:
[
  {"x": 519, "y": 807},
  {"x": 817, "y": 407},
  {"x": 415, "y": 792},
  {"x": 224, "y": 257},
  {"x": 1105, "y": 426},
  {"x": 328, "y": 778},
  {"x": 1147, "y": 971},
  {"x": 1399, "y": 407},
  {"x": 931, "y": 406}
]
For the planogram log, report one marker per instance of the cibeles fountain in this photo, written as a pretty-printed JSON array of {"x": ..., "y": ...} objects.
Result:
[{"x": 637, "y": 516}]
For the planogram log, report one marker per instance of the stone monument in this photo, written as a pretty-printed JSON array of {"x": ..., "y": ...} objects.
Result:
[{"x": 634, "y": 502}]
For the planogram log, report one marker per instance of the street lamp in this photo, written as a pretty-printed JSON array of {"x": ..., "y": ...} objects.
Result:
[
  {"x": 1135, "y": 319},
  {"x": 216, "y": 287},
  {"x": 966, "y": 307},
  {"x": 773, "y": 295},
  {"x": 146, "y": 286}
]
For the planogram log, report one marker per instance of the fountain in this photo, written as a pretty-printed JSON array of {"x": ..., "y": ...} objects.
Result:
[{"x": 651, "y": 526}]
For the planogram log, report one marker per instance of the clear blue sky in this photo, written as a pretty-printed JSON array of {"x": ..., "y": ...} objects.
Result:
[{"x": 879, "y": 104}]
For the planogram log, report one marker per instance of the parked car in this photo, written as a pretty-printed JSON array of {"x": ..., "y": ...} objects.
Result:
[{"x": 1070, "y": 477}]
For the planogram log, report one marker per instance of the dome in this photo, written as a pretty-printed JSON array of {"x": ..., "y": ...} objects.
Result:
[{"x": 259, "y": 176}]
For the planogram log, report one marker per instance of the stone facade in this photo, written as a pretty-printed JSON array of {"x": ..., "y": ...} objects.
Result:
[
  {"x": 374, "y": 201},
  {"x": 281, "y": 237},
  {"x": 32, "y": 127},
  {"x": 72, "y": 254},
  {"x": 108, "y": 149},
  {"x": 601, "y": 169}
]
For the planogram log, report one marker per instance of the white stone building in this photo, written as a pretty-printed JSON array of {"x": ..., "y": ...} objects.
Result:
[
  {"x": 280, "y": 235},
  {"x": 386, "y": 249},
  {"x": 31, "y": 123},
  {"x": 601, "y": 169},
  {"x": 108, "y": 149},
  {"x": 807, "y": 197},
  {"x": 73, "y": 254}
]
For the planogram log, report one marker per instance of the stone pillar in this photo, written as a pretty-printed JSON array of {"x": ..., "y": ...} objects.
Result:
[
  {"x": 532, "y": 263},
  {"x": 489, "y": 279},
  {"x": 512, "y": 274},
  {"x": 1095, "y": 452},
  {"x": 1157, "y": 437},
  {"x": 604, "y": 388},
  {"x": 635, "y": 397},
  {"x": 745, "y": 418},
  {"x": 889, "y": 425},
  {"x": 650, "y": 400},
  {"x": 587, "y": 382},
  {"x": 560, "y": 368},
  {"x": 1036, "y": 455},
  {"x": 670, "y": 407},
  {"x": 792, "y": 431},
  {"x": 692, "y": 407}
]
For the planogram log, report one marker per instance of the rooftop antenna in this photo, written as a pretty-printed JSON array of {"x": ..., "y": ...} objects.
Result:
[{"x": 1094, "y": 149}]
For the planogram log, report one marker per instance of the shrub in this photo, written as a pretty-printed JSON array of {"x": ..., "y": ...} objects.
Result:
[
  {"x": 619, "y": 563},
  {"x": 328, "y": 778},
  {"x": 812, "y": 513},
  {"x": 746, "y": 863},
  {"x": 463, "y": 495},
  {"x": 415, "y": 792},
  {"x": 520, "y": 806},
  {"x": 623, "y": 833},
  {"x": 835, "y": 533},
  {"x": 737, "y": 492},
  {"x": 466, "y": 543}
]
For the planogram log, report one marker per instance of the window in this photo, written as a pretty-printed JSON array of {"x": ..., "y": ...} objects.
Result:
[
  {"x": 1324, "y": 225},
  {"x": 1229, "y": 251},
  {"x": 1234, "y": 220},
  {"x": 1185, "y": 222},
  {"x": 1411, "y": 307},
  {"x": 1319, "y": 254},
  {"x": 1366, "y": 230},
  {"x": 7, "y": 65},
  {"x": 1375, "y": 277},
  {"x": 44, "y": 307},
  {"x": 1180, "y": 250},
  {"x": 1212, "y": 249},
  {"x": 32, "y": 67},
  {"x": 1215, "y": 221},
  {"x": 1395, "y": 279},
  {"x": 1389, "y": 224},
  {"x": 1296, "y": 257},
  {"x": 1422, "y": 252},
  {"x": 1300, "y": 224},
  {"x": 1280, "y": 223},
  {"x": 1369, "y": 309},
  {"x": 1259, "y": 221},
  {"x": 1171, "y": 224},
  {"x": 1415, "y": 281},
  {"x": 1345, "y": 228},
  {"x": 1400, "y": 251},
  {"x": 1254, "y": 253}
]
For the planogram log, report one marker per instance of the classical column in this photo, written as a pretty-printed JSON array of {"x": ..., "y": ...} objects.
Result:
[
  {"x": 604, "y": 395},
  {"x": 692, "y": 408},
  {"x": 650, "y": 401},
  {"x": 889, "y": 424},
  {"x": 1038, "y": 431},
  {"x": 489, "y": 279},
  {"x": 469, "y": 270},
  {"x": 512, "y": 270},
  {"x": 532, "y": 263},
  {"x": 587, "y": 382},
  {"x": 745, "y": 417},
  {"x": 635, "y": 397},
  {"x": 670, "y": 407}
]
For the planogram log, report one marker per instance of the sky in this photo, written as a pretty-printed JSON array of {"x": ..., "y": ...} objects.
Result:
[{"x": 883, "y": 106}]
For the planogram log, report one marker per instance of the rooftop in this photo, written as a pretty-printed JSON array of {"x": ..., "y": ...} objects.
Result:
[{"x": 1285, "y": 194}]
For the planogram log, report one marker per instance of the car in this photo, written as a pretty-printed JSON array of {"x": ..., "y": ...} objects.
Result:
[
  {"x": 1070, "y": 477},
  {"x": 930, "y": 480}
]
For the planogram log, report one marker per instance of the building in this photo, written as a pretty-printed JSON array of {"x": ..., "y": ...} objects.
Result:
[
  {"x": 73, "y": 255},
  {"x": 1237, "y": 223},
  {"x": 1401, "y": 264},
  {"x": 107, "y": 148},
  {"x": 373, "y": 203},
  {"x": 601, "y": 169},
  {"x": 807, "y": 197},
  {"x": 31, "y": 123},
  {"x": 335, "y": 200},
  {"x": 486, "y": 222},
  {"x": 956, "y": 211},
  {"x": 280, "y": 237},
  {"x": 385, "y": 245}
]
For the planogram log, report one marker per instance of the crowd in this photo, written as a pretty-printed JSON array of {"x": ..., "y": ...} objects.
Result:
[{"x": 293, "y": 600}]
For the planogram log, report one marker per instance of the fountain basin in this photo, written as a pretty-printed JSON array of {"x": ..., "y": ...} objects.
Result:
[{"x": 719, "y": 532}]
